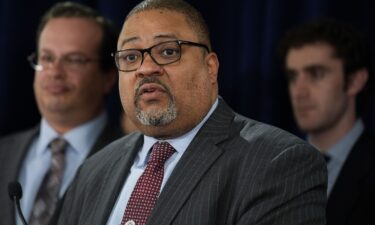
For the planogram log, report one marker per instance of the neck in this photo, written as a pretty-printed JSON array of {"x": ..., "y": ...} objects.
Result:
[
  {"x": 63, "y": 124},
  {"x": 324, "y": 139}
]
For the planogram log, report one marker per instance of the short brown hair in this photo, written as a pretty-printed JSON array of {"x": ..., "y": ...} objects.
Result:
[
  {"x": 76, "y": 10},
  {"x": 349, "y": 45}
]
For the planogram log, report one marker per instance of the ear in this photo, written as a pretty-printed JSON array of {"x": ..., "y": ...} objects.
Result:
[
  {"x": 110, "y": 80},
  {"x": 357, "y": 81},
  {"x": 212, "y": 63}
]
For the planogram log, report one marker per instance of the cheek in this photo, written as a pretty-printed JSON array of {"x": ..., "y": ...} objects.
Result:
[
  {"x": 83, "y": 84},
  {"x": 40, "y": 78},
  {"x": 125, "y": 86},
  {"x": 188, "y": 88},
  {"x": 36, "y": 82},
  {"x": 37, "y": 87},
  {"x": 94, "y": 81},
  {"x": 294, "y": 92},
  {"x": 291, "y": 91},
  {"x": 39, "y": 84},
  {"x": 334, "y": 96},
  {"x": 194, "y": 90},
  {"x": 87, "y": 87},
  {"x": 191, "y": 84},
  {"x": 126, "y": 90},
  {"x": 195, "y": 79},
  {"x": 203, "y": 84}
]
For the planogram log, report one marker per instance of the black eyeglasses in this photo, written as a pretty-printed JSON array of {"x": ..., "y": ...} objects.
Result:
[
  {"x": 162, "y": 54},
  {"x": 71, "y": 62}
]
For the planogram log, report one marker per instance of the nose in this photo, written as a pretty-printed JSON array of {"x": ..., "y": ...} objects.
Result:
[
  {"x": 148, "y": 67},
  {"x": 299, "y": 88},
  {"x": 55, "y": 68}
]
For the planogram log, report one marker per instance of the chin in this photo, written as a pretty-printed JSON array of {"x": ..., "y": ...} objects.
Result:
[
  {"x": 56, "y": 105},
  {"x": 307, "y": 127},
  {"x": 158, "y": 132}
]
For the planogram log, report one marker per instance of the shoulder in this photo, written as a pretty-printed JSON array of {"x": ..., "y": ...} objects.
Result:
[
  {"x": 113, "y": 152},
  {"x": 271, "y": 139},
  {"x": 112, "y": 131},
  {"x": 275, "y": 167},
  {"x": 247, "y": 138},
  {"x": 366, "y": 140},
  {"x": 362, "y": 155},
  {"x": 275, "y": 154},
  {"x": 16, "y": 137},
  {"x": 363, "y": 152}
]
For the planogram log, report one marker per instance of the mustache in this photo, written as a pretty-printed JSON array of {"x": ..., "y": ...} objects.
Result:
[{"x": 151, "y": 79}]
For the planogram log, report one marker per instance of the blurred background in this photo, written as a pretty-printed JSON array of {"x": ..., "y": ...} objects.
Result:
[{"x": 244, "y": 34}]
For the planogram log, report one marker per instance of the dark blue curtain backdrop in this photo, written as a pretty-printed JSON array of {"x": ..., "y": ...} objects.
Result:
[{"x": 244, "y": 34}]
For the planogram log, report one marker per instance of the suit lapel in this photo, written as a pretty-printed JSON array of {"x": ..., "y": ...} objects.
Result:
[
  {"x": 348, "y": 185},
  {"x": 18, "y": 146},
  {"x": 21, "y": 146},
  {"x": 116, "y": 175},
  {"x": 110, "y": 133},
  {"x": 198, "y": 158}
]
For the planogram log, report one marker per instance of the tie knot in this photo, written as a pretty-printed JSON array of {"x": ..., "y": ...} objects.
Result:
[
  {"x": 327, "y": 158},
  {"x": 161, "y": 151},
  {"x": 58, "y": 145}
]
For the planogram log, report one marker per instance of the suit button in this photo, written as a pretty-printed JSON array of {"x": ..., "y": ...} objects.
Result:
[{"x": 130, "y": 222}]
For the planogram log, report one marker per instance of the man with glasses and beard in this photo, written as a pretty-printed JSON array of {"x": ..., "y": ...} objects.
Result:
[{"x": 195, "y": 161}]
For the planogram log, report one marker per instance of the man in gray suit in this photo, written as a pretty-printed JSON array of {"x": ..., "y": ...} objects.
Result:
[
  {"x": 74, "y": 74},
  {"x": 208, "y": 165}
]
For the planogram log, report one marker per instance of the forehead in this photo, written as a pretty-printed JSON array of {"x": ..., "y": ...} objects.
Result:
[
  {"x": 316, "y": 53},
  {"x": 152, "y": 26},
  {"x": 75, "y": 33}
]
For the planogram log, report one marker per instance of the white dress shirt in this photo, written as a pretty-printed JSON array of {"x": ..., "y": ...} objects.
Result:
[{"x": 180, "y": 144}]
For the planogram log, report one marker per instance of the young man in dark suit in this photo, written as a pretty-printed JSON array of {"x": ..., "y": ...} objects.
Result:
[
  {"x": 328, "y": 67},
  {"x": 195, "y": 161},
  {"x": 74, "y": 73}
]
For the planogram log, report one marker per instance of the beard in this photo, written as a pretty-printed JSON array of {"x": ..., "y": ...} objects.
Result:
[{"x": 158, "y": 117}]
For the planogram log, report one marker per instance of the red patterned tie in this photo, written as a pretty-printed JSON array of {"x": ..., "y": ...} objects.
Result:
[{"x": 147, "y": 188}]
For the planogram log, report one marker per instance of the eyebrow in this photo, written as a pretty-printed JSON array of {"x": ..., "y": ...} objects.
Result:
[
  {"x": 43, "y": 50},
  {"x": 157, "y": 37},
  {"x": 314, "y": 67},
  {"x": 127, "y": 40},
  {"x": 308, "y": 67},
  {"x": 47, "y": 51}
]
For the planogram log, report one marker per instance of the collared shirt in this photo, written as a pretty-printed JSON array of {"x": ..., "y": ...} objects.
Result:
[
  {"x": 37, "y": 162},
  {"x": 180, "y": 144},
  {"x": 339, "y": 152}
]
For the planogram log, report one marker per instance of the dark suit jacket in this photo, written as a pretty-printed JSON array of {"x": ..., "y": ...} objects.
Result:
[
  {"x": 13, "y": 149},
  {"x": 235, "y": 171},
  {"x": 352, "y": 200}
]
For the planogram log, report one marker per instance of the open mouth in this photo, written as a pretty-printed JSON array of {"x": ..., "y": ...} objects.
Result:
[{"x": 151, "y": 88}]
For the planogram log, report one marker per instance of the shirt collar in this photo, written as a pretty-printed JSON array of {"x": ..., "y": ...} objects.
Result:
[
  {"x": 81, "y": 138},
  {"x": 180, "y": 143},
  {"x": 341, "y": 149},
  {"x": 46, "y": 135}
]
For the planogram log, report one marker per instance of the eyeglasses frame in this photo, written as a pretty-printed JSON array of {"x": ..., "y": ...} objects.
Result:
[
  {"x": 38, "y": 67},
  {"x": 148, "y": 50}
]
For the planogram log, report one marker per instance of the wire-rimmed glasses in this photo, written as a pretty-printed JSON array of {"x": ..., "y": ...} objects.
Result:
[{"x": 74, "y": 61}]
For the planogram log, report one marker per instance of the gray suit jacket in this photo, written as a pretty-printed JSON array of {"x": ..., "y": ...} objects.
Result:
[
  {"x": 235, "y": 171},
  {"x": 13, "y": 149}
]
